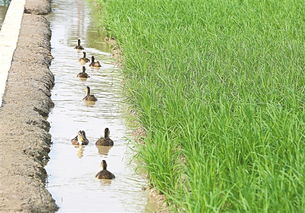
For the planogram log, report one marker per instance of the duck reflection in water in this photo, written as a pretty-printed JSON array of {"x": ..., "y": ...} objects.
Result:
[
  {"x": 80, "y": 151},
  {"x": 103, "y": 150}
]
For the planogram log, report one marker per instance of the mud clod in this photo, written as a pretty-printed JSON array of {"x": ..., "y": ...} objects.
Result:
[{"x": 37, "y": 7}]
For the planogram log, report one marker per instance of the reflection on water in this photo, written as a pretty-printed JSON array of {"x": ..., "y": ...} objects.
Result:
[
  {"x": 80, "y": 151},
  {"x": 103, "y": 150},
  {"x": 72, "y": 169},
  {"x": 3, "y": 10}
]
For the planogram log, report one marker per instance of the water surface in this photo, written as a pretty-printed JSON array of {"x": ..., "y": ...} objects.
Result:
[{"x": 72, "y": 170}]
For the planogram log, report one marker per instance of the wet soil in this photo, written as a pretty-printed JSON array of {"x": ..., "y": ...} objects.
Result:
[{"x": 24, "y": 137}]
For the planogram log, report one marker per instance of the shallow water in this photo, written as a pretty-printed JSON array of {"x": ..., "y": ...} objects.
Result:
[{"x": 72, "y": 170}]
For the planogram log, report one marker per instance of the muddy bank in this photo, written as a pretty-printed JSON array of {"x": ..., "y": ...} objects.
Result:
[
  {"x": 37, "y": 7},
  {"x": 24, "y": 138}
]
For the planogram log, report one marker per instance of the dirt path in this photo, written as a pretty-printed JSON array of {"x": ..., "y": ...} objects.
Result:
[{"x": 24, "y": 138}]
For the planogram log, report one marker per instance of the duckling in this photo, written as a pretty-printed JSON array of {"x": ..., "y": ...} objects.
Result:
[
  {"x": 89, "y": 97},
  {"x": 84, "y": 60},
  {"x": 80, "y": 139},
  {"x": 104, "y": 174},
  {"x": 95, "y": 64},
  {"x": 83, "y": 74},
  {"x": 78, "y": 46},
  {"x": 105, "y": 141}
]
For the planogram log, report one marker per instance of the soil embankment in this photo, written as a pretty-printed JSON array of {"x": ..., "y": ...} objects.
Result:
[{"x": 24, "y": 138}]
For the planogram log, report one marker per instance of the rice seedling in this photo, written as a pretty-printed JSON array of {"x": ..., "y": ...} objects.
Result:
[{"x": 219, "y": 85}]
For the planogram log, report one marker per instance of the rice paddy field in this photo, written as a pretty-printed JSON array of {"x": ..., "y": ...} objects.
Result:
[{"x": 220, "y": 88}]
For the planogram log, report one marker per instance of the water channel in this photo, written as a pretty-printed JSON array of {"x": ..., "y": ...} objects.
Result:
[{"x": 72, "y": 170}]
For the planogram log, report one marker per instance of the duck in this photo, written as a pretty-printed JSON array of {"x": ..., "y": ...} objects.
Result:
[
  {"x": 78, "y": 46},
  {"x": 83, "y": 74},
  {"x": 105, "y": 141},
  {"x": 89, "y": 97},
  {"x": 104, "y": 174},
  {"x": 80, "y": 139},
  {"x": 84, "y": 60},
  {"x": 95, "y": 64}
]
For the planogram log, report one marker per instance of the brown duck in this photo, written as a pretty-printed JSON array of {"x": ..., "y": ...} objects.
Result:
[
  {"x": 80, "y": 139},
  {"x": 95, "y": 64},
  {"x": 88, "y": 96},
  {"x": 83, "y": 74},
  {"x": 105, "y": 141},
  {"x": 84, "y": 60},
  {"x": 104, "y": 174},
  {"x": 78, "y": 46}
]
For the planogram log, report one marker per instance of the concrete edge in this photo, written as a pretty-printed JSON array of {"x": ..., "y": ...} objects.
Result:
[{"x": 8, "y": 40}]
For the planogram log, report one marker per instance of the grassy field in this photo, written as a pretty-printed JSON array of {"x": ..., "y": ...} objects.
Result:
[{"x": 220, "y": 88}]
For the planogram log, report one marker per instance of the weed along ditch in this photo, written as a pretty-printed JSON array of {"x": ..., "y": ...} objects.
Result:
[{"x": 72, "y": 168}]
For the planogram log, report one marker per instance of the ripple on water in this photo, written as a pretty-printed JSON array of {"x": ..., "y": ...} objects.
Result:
[{"x": 72, "y": 169}]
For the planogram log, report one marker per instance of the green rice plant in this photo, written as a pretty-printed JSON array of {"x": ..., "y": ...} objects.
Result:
[{"x": 219, "y": 85}]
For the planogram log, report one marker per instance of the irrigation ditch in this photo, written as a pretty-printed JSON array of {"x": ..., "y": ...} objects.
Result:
[
  {"x": 71, "y": 170},
  {"x": 26, "y": 183}
]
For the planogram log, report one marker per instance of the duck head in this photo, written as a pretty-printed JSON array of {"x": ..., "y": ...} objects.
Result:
[
  {"x": 88, "y": 90},
  {"x": 106, "y": 133},
  {"x": 104, "y": 165},
  {"x": 81, "y": 136}
]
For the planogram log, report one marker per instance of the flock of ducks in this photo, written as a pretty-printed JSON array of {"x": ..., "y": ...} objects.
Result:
[{"x": 81, "y": 139}]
